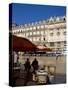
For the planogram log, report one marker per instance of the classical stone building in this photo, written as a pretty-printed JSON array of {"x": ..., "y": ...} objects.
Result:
[{"x": 50, "y": 32}]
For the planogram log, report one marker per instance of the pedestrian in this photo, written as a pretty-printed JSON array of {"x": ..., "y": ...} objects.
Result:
[
  {"x": 27, "y": 68},
  {"x": 35, "y": 65},
  {"x": 27, "y": 65}
]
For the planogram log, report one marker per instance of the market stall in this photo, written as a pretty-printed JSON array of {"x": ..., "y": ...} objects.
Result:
[{"x": 24, "y": 45}]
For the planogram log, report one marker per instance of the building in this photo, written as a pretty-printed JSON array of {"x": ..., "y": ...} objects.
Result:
[{"x": 50, "y": 32}]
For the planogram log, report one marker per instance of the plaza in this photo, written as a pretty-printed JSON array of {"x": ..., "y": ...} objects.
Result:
[{"x": 38, "y": 55}]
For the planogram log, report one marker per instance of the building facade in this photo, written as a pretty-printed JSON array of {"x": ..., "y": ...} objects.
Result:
[{"x": 50, "y": 32}]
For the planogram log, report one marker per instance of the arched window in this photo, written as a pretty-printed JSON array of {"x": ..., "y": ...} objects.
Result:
[
  {"x": 64, "y": 32},
  {"x": 58, "y": 33},
  {"x": 51, "y": 34},
  {"x": 42, "y": 26},
  {"x": 34, "y": 28},
  {"x": 38, "y": 27},
  {"x": 44, "y": 38}
]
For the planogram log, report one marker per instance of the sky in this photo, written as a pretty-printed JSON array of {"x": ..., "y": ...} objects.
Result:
[{"x": 28, "y": 13}]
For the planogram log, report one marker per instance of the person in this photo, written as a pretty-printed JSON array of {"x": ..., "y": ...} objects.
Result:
[
  {"x": 27, "y": 75},
  {"x": 27, "y": 65},
  {"x": 35, "y": 65}
]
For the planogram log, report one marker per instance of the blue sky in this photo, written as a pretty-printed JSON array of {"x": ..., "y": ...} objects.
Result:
[{"x": 27, "y": 13}]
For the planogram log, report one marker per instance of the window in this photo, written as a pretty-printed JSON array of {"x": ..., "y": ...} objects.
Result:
[
  {"x": 30, "y": 28},
  {"x": 32, "y": 23},
  {"x": 15, "y": 32},
  {"x": 23, "y": 34},
  {"x": 37, "y": 39},
  {"x": 34, "y": 33},
  {"x": 27, "y": 29},
  {"x": 58, "y": 44},
  {"x": 34, "y": 28},
  {"x": 51, "y": 19},
  {"x": 41, "y": 38},
  {"x": 27, "y": 34},
  {"x": 64, "y": 32},
  {"x": 51, "y": 43},
  {"x": 64, "y": 19},
  {"x": 58, "y": 28},
  {"x": 65, "y": 43},
  {"x": 21, "y": 31},
  {"x": 57, "y": 19},
  {"x": 38, "y": 27},
  {"x": 30, "y": 33},
  {"x": 38, "y": 32},
  {"x": 51, "y": 34},
  {"x": 44, "y": 38},
  {"x": 34, "y": 39},
  {"x": 42, "y": 33},
  {"x": 58, "y": 33},
  {"x": 46, "y": 26},
  {"x": 42, "y": 27},
  {"x": 30, "y": 39}
]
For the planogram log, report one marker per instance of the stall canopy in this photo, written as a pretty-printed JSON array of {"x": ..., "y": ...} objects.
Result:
[
  {"x": 23, "y": 44},
  {"x": 44, "y": 48}
]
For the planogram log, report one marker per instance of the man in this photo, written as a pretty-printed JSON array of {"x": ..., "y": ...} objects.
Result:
[
  {"x": 27, "y": 65},
  {"x": 27, "y": 75},
  {"x": 35, "y": 64}
]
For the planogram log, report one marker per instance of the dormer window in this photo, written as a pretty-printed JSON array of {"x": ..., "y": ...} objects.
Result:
[
  {"x": 51, "y": 19},
  {"x": 57, "y": 19},
  {"x": 64, "y": 19}
]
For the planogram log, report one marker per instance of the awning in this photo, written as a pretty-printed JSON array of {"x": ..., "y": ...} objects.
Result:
[
  {"x": 22, "y": 44},
  {"x": 44, "y": 48}
]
